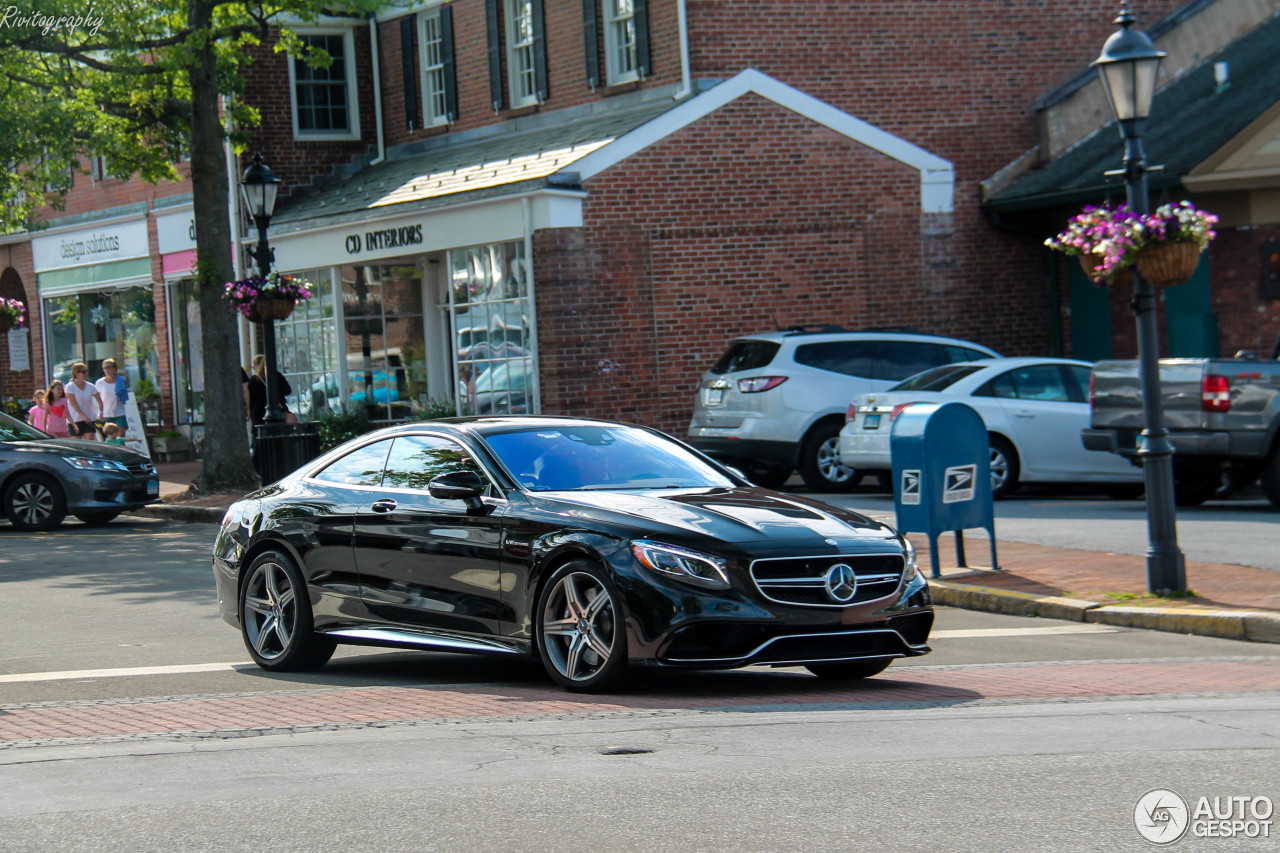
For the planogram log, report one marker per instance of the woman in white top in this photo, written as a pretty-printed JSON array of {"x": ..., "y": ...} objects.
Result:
[{"x": 82, "y": 396}]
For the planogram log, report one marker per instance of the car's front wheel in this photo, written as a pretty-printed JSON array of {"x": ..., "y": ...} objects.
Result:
[
  {"x": 275, "y": 617},
  {"x": 580, "y": 631},
  {"x": 820, "y": 465},
  {"x": 34, "y": 502},
  {"x": 850, "y": 669}
]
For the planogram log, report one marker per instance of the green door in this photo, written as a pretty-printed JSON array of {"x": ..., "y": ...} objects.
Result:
[
  {"x": 1192, "y": 325},
  {"x": 1090, "y": 316}
]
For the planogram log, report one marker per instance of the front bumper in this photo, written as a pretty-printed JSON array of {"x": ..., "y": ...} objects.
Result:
[{"x": 107, "y": 491}]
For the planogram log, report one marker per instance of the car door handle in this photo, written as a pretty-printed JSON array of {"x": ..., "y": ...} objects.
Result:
[
  {"x": 384, "y": 505},
  {"x": 1024, "y": 414}
]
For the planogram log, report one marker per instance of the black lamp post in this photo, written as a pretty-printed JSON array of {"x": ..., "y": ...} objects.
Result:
[
  {"x": 1127, "y": 68},
  {"x": 259, "y": 187}
]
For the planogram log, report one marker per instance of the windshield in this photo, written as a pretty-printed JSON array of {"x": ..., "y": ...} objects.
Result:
[
  {"x": 937, "y": 378},
  {"x": 600, "y": 457},
  {"x": 12, "y": 429}
]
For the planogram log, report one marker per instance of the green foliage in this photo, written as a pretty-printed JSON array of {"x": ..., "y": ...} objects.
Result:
[
  {"x": 436, "y": 409},
  {"x": 16, "y": 407},
  {"x": 337, "y": 425},
  {"x": 145, "y": 390}
]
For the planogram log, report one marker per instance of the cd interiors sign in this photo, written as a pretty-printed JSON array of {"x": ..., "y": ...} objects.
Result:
[{"x": 406, "y": 236}]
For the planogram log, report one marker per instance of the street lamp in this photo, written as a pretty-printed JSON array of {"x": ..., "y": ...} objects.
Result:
[
  {"x": 1127, "y": 68},
  {"x": 259, "y": 187}
]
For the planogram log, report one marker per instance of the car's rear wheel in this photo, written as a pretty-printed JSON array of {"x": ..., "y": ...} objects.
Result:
[
  {"x": 275, "y": 617},
  {"x": 580, "y": 631},
  {"x": 820, "y": 465},
  {"x": 850, "y": 669},
  {"x": 1004, "y": 467},
  {"x": 34, "y": 501},
  {"x": 97, "y": 519}
]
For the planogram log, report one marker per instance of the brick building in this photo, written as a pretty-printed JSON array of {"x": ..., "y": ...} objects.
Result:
[{"x": 571, "y": 205}]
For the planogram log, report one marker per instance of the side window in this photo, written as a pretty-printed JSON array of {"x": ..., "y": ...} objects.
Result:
[
  {"x": 852, "y": 358},
  {"x": 1081, "y": 375},
  {"x": 1040, "y": 382},
  {"x": 955, "y": 354},
  {"x": 416, "y": 460},
  {"x": 1001, "y": 386},
  {"x": 360, "y": 467},
  {"x": 899, "y": 359}
]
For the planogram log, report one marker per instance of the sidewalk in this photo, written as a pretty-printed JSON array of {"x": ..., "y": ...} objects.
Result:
[{"x": 1236, "y": 602}]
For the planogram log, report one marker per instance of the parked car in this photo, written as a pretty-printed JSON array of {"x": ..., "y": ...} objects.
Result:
[
  {"x": 43, "y": 478},
  {"x": 775, "y": 402},
  {"x": 590, "y": 545},
  {"x": 1034, "y": 409}
]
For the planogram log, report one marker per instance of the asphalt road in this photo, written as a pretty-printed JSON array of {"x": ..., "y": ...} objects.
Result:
[{"x": 1014, "y": 734}]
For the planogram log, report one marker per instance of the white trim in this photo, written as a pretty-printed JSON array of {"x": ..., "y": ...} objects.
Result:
[
  {"x": 353, "y": 102},
  {"x": 513, "y": 71},
  {"x": 937, "y": 176},
  {"x": 613, "y": 76},
  {"x": 88, "y": 224},
  {"x": 428, "y": 119},
  {"x": 395, "y": 13}
]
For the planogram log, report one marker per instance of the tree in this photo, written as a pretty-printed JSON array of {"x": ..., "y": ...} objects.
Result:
[{"x": 139, "y": 84}]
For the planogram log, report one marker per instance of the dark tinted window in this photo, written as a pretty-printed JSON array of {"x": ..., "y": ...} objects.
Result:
[
  {"x": 937, "y": 379},
  {"x": 955, "y": 354},
  {"x": 746, "y": 355},
  {"x": 1001, "y": 386},
  {"x": 1081, "y": 375},
  {"x": 416, "y": 460},
  {"x": 852, "y": 358},
  {"x": 899, "y": 359},
  {"x": 360, "y": 467}
]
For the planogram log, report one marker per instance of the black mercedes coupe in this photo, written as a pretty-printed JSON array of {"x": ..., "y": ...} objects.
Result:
[{"x": 594, "y": 546}]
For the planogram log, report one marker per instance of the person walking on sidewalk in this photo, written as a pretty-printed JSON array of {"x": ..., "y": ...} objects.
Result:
[
  {"x": 84, "y": 402},
  {"x": 38, "y": 414},
  {"x": 114, "y": 394},
  {"x": 59, "y": 418}
]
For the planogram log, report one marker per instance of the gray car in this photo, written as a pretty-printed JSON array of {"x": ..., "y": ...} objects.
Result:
[{"x": 43, "y": 479}]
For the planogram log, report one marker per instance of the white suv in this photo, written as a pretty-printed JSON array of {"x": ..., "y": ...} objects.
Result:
[{"x": 775, "y": 402}]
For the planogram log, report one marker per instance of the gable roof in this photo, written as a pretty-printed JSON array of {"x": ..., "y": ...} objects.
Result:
[{"x": 1191, "y": 119}]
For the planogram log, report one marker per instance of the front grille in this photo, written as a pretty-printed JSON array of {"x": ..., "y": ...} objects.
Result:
[
  {"x": 914, "y": 627},
  {"x": 820, "y": 647},
  {"x": 803, "y": 580},
  {"x": 140, "y": 469}
]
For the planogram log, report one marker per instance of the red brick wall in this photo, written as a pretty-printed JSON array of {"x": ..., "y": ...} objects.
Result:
[
  {"x": 18, "y": 281},
  {"x": 1236, "y": 265}
]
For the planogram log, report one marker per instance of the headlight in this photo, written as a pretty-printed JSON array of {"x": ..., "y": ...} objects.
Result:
[
  {"x": 909, "y": 557},
  {"x": 85, "y": 463},
  {"x": 682, "y": 564}
]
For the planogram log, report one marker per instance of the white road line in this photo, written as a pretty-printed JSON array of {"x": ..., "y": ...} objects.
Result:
[
  {"x": 69, "y": 675},
  {"x": 971, "y": 633}
]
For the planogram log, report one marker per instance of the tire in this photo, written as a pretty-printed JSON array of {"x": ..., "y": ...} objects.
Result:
[
  {"x": 1005, "y": 467},
  {"x": 820, "y": 466},
  {"x": 578, "y": 596},
  {"x": 1193, "y": 486},
  {"x": 34, "y": 501},
  {"x": 97, "y": 519},
  {"x": 773, "y": 477},
  {"x": 852, "y": 669},
  {"x": 275, "y": 617},
  {"x": 1271, "y": 477}
]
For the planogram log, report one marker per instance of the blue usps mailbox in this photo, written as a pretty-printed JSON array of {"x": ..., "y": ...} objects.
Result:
[{"x": 942, "y": 475}]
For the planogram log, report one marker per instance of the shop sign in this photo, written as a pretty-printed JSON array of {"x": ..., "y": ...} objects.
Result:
[
  {"x": 118, "y": 241},
  {"x": 381, "y": 239},
  {"x": 176, "y": 232}
]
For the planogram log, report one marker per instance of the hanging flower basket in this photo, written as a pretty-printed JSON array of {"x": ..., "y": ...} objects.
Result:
[
  {"x": 13, "y": 314},
  {"x": 270, "y": 297},
  {"x": 1111, "y": 241},
  {"x": 1167, "y": 264}
]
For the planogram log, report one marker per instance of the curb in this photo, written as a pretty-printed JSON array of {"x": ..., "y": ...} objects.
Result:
[
  {"x": 1256, "y": 626},
  {"x": 180, "y": 512}
]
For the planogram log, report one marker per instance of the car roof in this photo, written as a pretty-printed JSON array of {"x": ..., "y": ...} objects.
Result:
[
  {"x": 824, "y": 336},
  {"x": 483, "y": 424}
]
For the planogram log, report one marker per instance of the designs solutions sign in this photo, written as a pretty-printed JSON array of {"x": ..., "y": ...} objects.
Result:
[{"x": 116, "y": 242}]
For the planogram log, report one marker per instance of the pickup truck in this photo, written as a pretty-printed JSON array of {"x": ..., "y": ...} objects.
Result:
[{"x": 1223, "y": 418}]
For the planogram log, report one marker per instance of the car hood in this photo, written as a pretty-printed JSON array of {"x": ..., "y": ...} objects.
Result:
[
  {"x": 78, "y": 447},
  {"x": 740, "y": 515}
]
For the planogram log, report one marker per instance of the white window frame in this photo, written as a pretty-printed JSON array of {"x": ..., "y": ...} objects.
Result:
[
  {"x": 349, "y": 69},
  {"x": 521, "y": 62},
  {"x": 98, "y": 168},
  {"x": 432, "y": 117},
  {"x": 619, "y": 54}
]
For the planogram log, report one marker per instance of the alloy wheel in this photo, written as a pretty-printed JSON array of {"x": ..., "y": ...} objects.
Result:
[
  {"x": 270, "y": 610},
  {"x": 829, "y": 462},
  {"x": 999, "y": 469},
  {"x": 579, "y": 626},
  {"x": 32, "y": 503}
]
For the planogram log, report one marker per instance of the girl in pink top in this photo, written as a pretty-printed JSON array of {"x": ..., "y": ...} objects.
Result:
[
  {"x": 38, "y": 415},
  {"x": 56, "y": 404}
]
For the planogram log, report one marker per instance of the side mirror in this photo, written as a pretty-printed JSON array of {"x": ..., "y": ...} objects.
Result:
[{"x": 458, "y": 486}]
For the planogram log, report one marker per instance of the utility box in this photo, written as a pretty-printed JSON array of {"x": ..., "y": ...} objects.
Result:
[{"x": 942, "y": 474}]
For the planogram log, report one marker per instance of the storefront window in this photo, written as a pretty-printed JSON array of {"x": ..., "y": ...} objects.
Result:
[
  {"x": 119, "y": 324},
  {"x": 188, "y": 363},
  {"x": 493, "y": 346},
  {"x": 386, "y": 349},
  {"x": 307, "y": 348}
]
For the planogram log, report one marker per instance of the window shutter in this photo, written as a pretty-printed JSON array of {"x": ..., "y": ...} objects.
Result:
[
  {"x": 407, "y": 73},
  {"x": 495, "y": 53},
  {"x": 643, "y": 62},
  {"x": 591, "y": 41},
  {"x": 539, "y": 53},
  {"x": 450, "y": 69}
]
